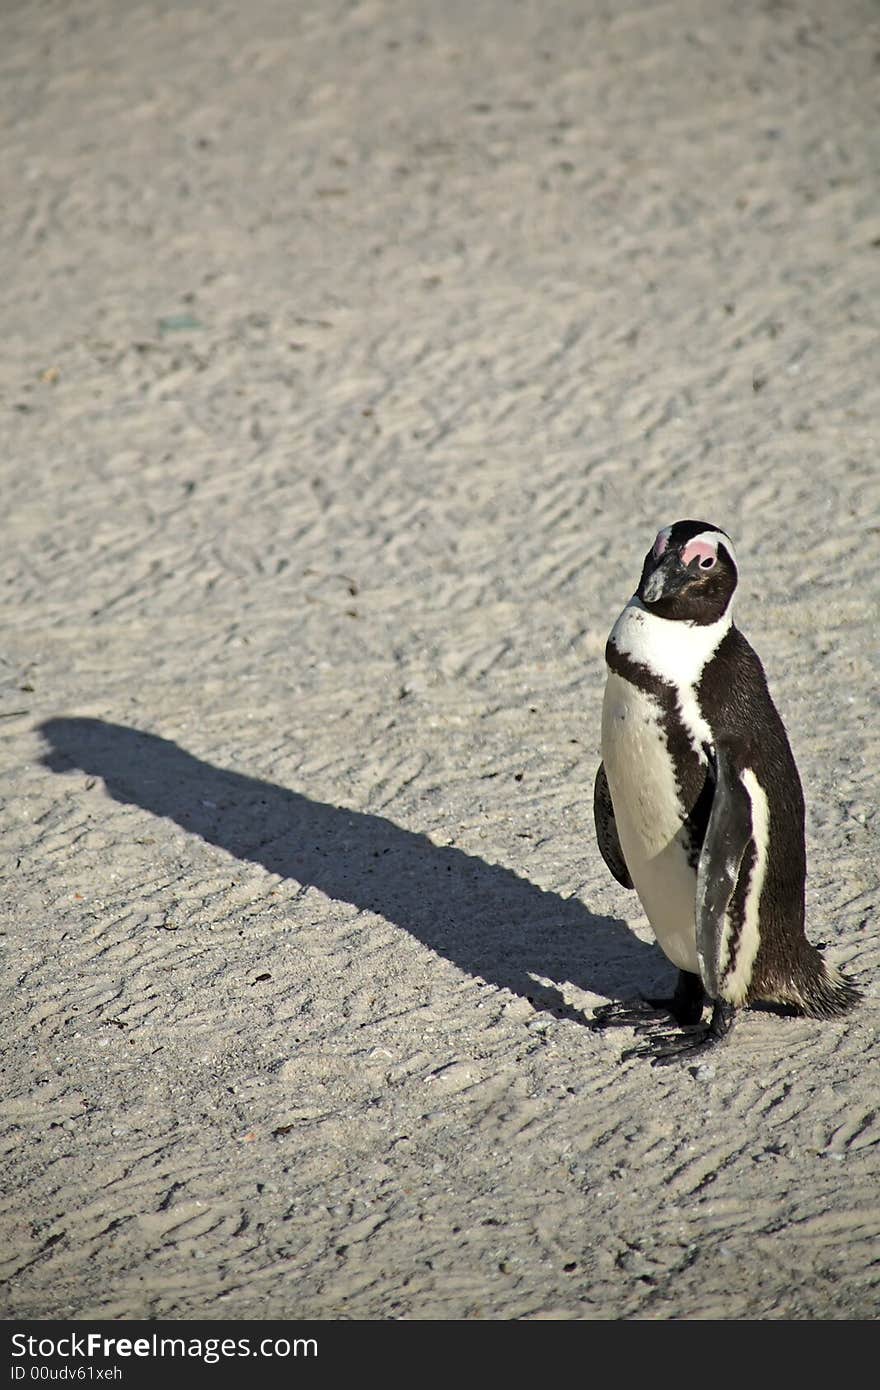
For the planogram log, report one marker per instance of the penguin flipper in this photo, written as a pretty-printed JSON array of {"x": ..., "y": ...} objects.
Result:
[
  {"x": 727, "y": 835},
  {"x": 606, "y": 829}
]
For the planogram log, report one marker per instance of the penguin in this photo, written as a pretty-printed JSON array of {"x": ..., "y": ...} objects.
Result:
[{"x": 698, "y": 805}]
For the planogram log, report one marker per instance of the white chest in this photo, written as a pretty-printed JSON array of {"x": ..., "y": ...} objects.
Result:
[
  {"x": 640, "y": 773},
  {"x": 650, "y": 816}
]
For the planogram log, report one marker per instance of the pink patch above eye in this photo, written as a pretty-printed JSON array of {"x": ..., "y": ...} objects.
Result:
[
  {"x": 703, "y": 551},
  {"x": 661, "y": 542}
]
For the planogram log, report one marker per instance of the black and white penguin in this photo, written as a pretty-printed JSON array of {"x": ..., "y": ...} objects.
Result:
[{"x": 698, "y": 804}]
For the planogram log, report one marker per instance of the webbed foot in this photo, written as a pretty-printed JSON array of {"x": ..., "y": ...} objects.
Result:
[
  {"x": 663, "y": 1048},
  {"x": 685, "y": 1006},
  {"x": 631, "y": 1013}
]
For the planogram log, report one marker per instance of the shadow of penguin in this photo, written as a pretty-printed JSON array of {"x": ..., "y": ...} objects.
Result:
[{"x": 486, "y": 919}]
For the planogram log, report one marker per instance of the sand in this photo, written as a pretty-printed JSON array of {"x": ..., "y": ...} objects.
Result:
[{"x": 354, "y": 354}]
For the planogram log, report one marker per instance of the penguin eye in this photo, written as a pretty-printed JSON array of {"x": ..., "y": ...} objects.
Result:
[{"x": 699, "y": 552}]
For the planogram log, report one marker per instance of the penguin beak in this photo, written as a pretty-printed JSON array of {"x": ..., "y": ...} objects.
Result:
[{"x": 667, "y": 578}]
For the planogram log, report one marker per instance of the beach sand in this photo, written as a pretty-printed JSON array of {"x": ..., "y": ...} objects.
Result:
[{"x": 354, "y": 354}]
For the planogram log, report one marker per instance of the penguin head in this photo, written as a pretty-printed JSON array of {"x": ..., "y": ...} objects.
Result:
[{"x": 690, "y": 573}]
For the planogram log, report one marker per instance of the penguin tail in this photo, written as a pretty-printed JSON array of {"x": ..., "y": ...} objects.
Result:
[
  {"x": 812, "y": 987},
  {"x": 828, "y": 992}
]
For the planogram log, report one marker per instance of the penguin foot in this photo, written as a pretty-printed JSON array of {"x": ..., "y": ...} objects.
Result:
[
  {"x": 662, "y": 1048},
  {"x": 632, "y": 1013},
  {"x": 685, "y": 1006}
]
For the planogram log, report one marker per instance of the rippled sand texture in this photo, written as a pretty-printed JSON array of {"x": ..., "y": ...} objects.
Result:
[{"x": 354, "y": 353}]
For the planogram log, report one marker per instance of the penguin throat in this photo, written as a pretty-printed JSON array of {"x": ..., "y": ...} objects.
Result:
[{"x": 673, "y": 650}]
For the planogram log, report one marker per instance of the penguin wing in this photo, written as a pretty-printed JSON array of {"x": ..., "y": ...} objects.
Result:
[
  {"x": 606, "y": 829},
  {"x": 727, "y": 835}
]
